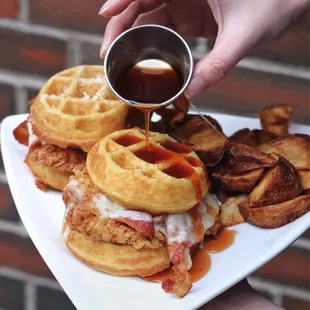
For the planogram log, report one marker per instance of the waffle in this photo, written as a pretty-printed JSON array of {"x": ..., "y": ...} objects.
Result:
[
  {"x": 120, "y": 260},
  {"x": 168, "y": 178},
  {"x": 76, "y": 108}
]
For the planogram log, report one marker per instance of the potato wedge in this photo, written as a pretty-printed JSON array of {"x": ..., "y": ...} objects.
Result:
[
  {"x": 276, "y": 215},
  {"x": 280, "y": 183},
  {"x": 252, "y": 137},
  {"x": 276, "y": 118},
  {"x": 207, "y": 141},
  {"x": 243, "y": 158},
  {"x": 295, "y": 148},
  {"x": 305, "y": 179},
  {"x": 222, "y": 194},
  {"x": 230, "y": 214},
  {"x": 241, "y": 182}
]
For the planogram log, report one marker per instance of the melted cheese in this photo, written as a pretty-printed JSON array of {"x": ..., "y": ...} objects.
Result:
[
  {"x": 66, "y": 234},
  {"x": 110, "y": 209},
  {"x": 32, "y": 138},
  {"x": 177, "y": 228}
]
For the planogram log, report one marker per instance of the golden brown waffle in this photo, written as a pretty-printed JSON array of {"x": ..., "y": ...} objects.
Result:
[
  {"x": 76, "y": 108},
  {"x": 120, "y": 260},
  {"x": 168, "y": 177}
]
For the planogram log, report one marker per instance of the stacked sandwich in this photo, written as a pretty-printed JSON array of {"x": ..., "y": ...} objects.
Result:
[
  {"x": 72, "y": 111},
  {"x": 134, "y": 210}
]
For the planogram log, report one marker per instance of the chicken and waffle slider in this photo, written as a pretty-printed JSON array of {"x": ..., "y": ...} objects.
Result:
[
  {"x": 141, "y": 234},
  {"x": 73, "y": 110}
]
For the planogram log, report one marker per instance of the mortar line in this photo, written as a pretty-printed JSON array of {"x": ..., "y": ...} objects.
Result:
[
  {"x": 30, "y": 294},
  {"x": 31, "y": 279},
  {"x": 24, "y": 10},
  {"x": 252, "y": 63},
  {"x": 277, "y": 288},
  {"x": 3, "y": 178},
  {"x": 21, "y": 99},
  {"x": 73, "y": 53},
  {"x": 21, "y": 79},
  {"x": 13, "y": 228}
]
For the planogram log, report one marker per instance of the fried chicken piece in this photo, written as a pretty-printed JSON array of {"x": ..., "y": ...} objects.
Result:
[
  {"x": 85, "y": 219},
  {"x": 60, "y": 159}
]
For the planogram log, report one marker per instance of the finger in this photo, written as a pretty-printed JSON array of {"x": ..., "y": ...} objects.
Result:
[
  {"x": 159, "y": 16},
  {"x": 118, "y": 24},
  {"x": 115, "y": 7},
  {"x": 215, "y": 65}
]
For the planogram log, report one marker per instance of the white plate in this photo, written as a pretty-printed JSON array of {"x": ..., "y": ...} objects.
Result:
[{"x": 42, "y": 215}]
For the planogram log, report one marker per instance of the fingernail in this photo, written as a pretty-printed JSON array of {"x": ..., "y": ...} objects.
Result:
[
  {"x": 194, "y": 87},
  {"x": 102, "y": 50},
  {"x": 104, "y": 8}
]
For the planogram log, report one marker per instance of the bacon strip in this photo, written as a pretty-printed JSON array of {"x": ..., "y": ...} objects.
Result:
[
  {"x": 180, "y": 283},
  {"x": 21, "y": 133},
  {"x": 146, "y": 228}
]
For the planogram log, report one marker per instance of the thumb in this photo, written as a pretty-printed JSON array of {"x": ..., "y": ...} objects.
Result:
[{"x": 216, "y": 64}]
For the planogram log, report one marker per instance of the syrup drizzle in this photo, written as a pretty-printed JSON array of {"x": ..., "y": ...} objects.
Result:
[
  {"x": 201, "y": 260},
  {"x": 177, "y": 165},
  {"x": 221, "y": 242},
  {"x": 146, "y": 87}
]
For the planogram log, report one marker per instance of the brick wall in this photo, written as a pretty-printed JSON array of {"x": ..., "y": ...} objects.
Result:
[{"x": 40, "y": 37}]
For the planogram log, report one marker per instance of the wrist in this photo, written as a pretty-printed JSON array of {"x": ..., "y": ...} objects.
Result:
[{"x": 240, "y": 297}]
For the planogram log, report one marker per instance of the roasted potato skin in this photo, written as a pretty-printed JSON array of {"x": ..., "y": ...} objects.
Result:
[
  {"x": 241, "y": 182},
  {"x": 295, "y": 148},
  {"x": 280, "y": 183},
  {"x": 241, "y": 158},
  {"x": 276, "y": 118},
  {"x": 305, "y": 178},
  {"x": 252, "y": 137},
  {"x": 277, "y": 215}
]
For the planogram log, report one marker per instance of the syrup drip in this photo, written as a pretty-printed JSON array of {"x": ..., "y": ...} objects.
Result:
[
  {"x": 197, "y": 224},
  {"x": 201, "y": 260},
  {"x": 146, "y": 87},
  {"x": 147, "y": 115},
  {"x": 221, "y": 242},
  {"x": 201, "y": 265}
]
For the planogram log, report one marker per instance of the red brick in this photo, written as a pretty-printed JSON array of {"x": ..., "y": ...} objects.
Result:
[
  {"x": 6, "y": 100},
  {"x": 7, "y": 207},
  {"x": 11, "y": 294},
  {"x": 245, "y": 92},
  {"x": 292, "y": 47},
  {"x": 31, "y": 54},
  {"x": 295, "y": 304},
  {"x": 9, "y": 8},
  {"x": 75, "y": 14},
  {"x": 50, "y": 300},
  {"x": 21, "y": 254},
  {"x": 291, "y": 266}
]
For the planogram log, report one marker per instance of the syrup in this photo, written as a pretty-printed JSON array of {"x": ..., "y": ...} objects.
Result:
[
  {"x": 127, "y": 140},
  {"x": 198, "y": 228},
  {"x": 177, "y": 165},
  {"x": 201, "y": 260},
  {"x": 201, "y": 265},
  {"x": 221, "y": 242},
  {"x": 144, "y": 84},
  {"x": 146, "y": 87}
]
